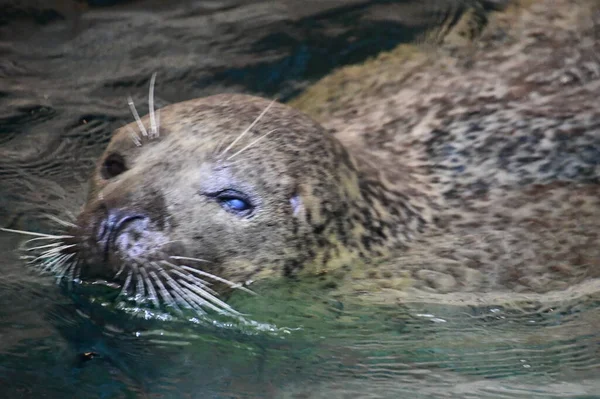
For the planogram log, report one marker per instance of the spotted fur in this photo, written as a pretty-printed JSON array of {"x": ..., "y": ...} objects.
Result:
[
  {"x": 508, "y": 144},
  {"x": 463, "y": 177}
]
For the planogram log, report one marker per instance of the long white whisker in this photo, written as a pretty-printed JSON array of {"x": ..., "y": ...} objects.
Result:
[
  {"x": 43, "y": 257},
  {"x": 238, "y": 138},
  {"x": 53, "y": 251},
  {"x": 126, "y": 283},
  {"x": 63, "y": 272},
  {"x": 140, "y": 289},
  {"x": 72, "y": 273},
  {"x": 136, "y": 116},
  {"x": 57, "y": 262},
  {"x": 60, "y": 221},
  {"x": 75, "y": 263},
  {"x": 77, "y": 274},
  {"x": 50, "y": 265},
  {"x": 252, "y": 143},
  {"x": 153, "y": 124},
  {"x": 206, "y": 274},
  {"x": 70, "y": 215},
  {"x": 55, "y": 244},
  {"x": 157, "y": 117},
  {"x": 50, "y": 253},
  {"x": 187, "y": 258},
  {"x": 176, "y": 270},
  {"x": 202, "y": 297},
  {"x": 195, "y": 280},
  {"x": 168, "y": 298},
  {"x": 220, "y": 144},
  {"x": 188, "y": 301},
  {"x": 179, "y": 293},
  {"x": 150, "y": 287},
  {"x": 45, "y": 238},
  {"x": 134, "y": 137},
  {"x": 199, "y": 296},
  {"x": 31, "y": 233},
  {"x": 58, "y": 249},
  {"x": 186, "y": 276},
  {"x": 59, "y": 265},
  {"x": 209, "y": 298},
  {"x": 217, "y": 278},
  {"x": 194, "y": 298}
]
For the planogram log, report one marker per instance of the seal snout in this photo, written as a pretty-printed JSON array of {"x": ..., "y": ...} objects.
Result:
[
  {"x": 119, "y": 236},
  {"x": 119, "y": 228}
]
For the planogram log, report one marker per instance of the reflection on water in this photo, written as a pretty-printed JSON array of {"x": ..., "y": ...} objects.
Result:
[{"x": 61, "y": 97}]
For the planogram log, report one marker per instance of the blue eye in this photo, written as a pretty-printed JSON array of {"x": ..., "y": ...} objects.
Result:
[{"x": 236, "y": 204}]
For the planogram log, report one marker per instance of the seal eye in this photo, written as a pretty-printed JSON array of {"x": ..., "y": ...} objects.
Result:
[
  {"x": 235, "y": 202},
  {"x": 114, "y": 165}
]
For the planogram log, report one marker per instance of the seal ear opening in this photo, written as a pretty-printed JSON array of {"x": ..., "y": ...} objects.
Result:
[{"x": 296, "y": 203}]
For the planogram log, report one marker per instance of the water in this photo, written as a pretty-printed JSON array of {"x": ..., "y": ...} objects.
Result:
[{"x": 63, "y": 89}]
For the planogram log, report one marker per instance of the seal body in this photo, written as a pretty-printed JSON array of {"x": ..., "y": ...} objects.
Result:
[
  {"x": 505, "y": 136},
  {"x": 457, "y": 182}
]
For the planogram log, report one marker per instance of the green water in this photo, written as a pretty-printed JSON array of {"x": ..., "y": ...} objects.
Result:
[{"x": 294, "y": 342}]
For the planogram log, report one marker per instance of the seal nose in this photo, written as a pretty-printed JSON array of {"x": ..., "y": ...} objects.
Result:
[{"x": 114, "y": 222}]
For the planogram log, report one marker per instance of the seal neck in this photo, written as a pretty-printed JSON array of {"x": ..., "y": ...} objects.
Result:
[{"x": 375, "y": 220}]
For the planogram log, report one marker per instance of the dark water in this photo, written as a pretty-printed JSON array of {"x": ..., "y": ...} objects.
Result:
[{"x": 65, "y": 74}]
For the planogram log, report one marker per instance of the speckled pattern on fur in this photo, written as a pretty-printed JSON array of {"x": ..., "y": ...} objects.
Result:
[
  {"x": 458, "y": 177},
  {"x": 506, "y": 137},
  {"x": 316, "y": 209}
]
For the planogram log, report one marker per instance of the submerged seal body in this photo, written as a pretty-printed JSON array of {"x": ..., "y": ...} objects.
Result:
[{"x": 473, "y": 188}]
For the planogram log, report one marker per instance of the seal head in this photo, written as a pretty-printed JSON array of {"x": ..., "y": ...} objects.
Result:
[{"x": 232, "y": 189}]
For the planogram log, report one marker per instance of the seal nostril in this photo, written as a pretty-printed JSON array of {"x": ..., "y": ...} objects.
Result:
[{"x": 121, "y": 223}]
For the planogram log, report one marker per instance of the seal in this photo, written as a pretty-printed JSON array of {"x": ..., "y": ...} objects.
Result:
[
  {"x": 488, "y": 190},
  {"x": 230, "y": 189}
]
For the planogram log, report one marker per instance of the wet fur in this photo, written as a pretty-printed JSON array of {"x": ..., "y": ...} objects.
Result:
[
  {"x": 342, "y": 214},
  {"x": 506, "y": 138},
  {"x": 481, "y": 179}
]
